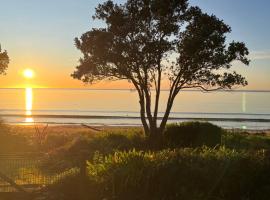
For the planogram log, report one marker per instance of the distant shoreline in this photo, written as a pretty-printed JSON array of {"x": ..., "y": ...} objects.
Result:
[
  {"x": 126, "y": 112},
  {"x": 134, "y": 117}
]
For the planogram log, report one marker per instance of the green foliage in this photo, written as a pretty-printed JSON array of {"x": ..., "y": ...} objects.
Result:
[
  {"x": 236, "y": 140},
  {"x": 72, "y": 153},
  {"x": 4, "y": 61},
  {"x": 192, "y": 134},
  {"x": 119, "y": 140},
  {"x": 121, "y": 166},
  {"x": 12, "y": 142},
  {"x": 71, "y": 187},
  {"x": 182, "y": 174},
  {"x": 136, "y": 45}
]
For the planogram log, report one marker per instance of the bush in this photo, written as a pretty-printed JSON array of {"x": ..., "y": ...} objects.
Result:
[
  {"x": 236, "y": 140},
  {"x": 115, "y": 171},
  {"x": 192, "y": 134},
  {"x": 117, "y": 140},
  {"x": 82, "y": 148},
  {"x": 188, "y": 174},
  {"x": 71, "y": 187}
]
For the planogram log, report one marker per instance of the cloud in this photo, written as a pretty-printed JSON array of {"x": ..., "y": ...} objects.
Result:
[{"x": 259, "y": 55}]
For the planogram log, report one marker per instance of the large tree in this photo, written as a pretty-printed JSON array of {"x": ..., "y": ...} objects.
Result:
[
  {"x": 4, "y": 61},
  {"x": 151, "y": 43}
]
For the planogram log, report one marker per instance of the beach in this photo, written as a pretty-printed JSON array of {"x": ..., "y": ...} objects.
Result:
[{"x": 231, "y": 110}]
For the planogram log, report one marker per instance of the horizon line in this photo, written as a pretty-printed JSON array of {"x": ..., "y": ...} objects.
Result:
[{"x": 130, "y": 89}]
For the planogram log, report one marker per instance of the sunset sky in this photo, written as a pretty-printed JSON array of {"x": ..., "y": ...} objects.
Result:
[{"x": 40, "y": 35}]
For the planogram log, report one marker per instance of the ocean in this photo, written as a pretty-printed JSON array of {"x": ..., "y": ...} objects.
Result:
[{"x": 232, "y": 109}]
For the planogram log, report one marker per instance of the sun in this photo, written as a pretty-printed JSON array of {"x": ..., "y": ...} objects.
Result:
[{"x": 28, "y": 73}]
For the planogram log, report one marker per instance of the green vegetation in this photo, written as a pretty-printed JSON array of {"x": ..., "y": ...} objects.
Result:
[
  {"x": 181, "y": 174},
  {"x": 151, "y": 43},
  {"x": 192, "y": 134},
  {"x": 200, "y": 173},
  {"x": 121, "y": 163},
  {"x": 83, "y": 147},
  {"x": 11, "y": 142},
  {"x": 246, "y": 141}
]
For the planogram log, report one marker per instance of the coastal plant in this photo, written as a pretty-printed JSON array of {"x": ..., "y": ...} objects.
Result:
[
  {"x": 155, "y": 44},
  {"x": 247, "y": 141},
  {"x": 190, "y": 173},
  {"x": 201, "y": 173},
  {"x": 81, "y": 148},
  {"x": 192, "y": 134}
]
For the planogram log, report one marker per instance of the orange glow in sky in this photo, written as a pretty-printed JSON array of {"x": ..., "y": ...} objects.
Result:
[{"x": 44, "y": 43}]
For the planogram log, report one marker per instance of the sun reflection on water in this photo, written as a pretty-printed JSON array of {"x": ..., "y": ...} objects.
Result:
[{"x": 28, "y": 105}]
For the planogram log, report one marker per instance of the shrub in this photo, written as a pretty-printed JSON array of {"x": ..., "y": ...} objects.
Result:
[
  {"x": 236, "y": 140},
  {"x": 69, "y": 188},
  {"x": 117, "y": 140},
  {"x": 192, "y": 134},
  {"x": 181, "y": 174},
  {"x": 81, "y": 148}
]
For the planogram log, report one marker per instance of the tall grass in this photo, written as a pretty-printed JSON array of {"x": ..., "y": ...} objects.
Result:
[{"x": 12, "y": 142}]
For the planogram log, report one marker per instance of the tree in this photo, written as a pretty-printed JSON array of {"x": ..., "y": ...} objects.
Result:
[
  {"x": 4, "y": 61},
  {"x": 154, "y": 42}
]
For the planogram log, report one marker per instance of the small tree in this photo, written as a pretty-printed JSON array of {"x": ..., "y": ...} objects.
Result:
[
  {"x": 147, "y": 42},
  {"x": 4, "y": 61}
]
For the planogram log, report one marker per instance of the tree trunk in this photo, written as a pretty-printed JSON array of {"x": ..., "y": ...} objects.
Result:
[
  {"x": 167, "y": 112},
  {"x": 158, "y": 85},
  {"x": 151, "y": 128},
  {"x": 142, "y": 108}
]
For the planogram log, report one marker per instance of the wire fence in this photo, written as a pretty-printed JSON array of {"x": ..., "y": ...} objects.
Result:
[{"x": 24, "y": 170}]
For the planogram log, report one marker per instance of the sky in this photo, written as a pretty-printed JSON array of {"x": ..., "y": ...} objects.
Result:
[{"x": 40, "y": 35}]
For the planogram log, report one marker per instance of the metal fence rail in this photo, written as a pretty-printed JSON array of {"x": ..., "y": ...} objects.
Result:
[{"x": 24, "y": 170}]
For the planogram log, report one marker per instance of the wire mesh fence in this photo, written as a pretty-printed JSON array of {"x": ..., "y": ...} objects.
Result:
[{"x": 24, "y": 171}]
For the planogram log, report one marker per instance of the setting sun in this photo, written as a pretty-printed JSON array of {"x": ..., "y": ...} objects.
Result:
[{"x": 28, "y": 73}]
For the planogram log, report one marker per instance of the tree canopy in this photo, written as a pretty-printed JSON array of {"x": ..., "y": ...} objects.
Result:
[
  {"x": 155, "y": 42},
  {"x": 4, "y": 61}
]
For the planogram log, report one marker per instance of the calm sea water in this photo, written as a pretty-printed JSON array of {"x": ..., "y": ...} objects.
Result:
[{"x": 249, "y": 110}]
